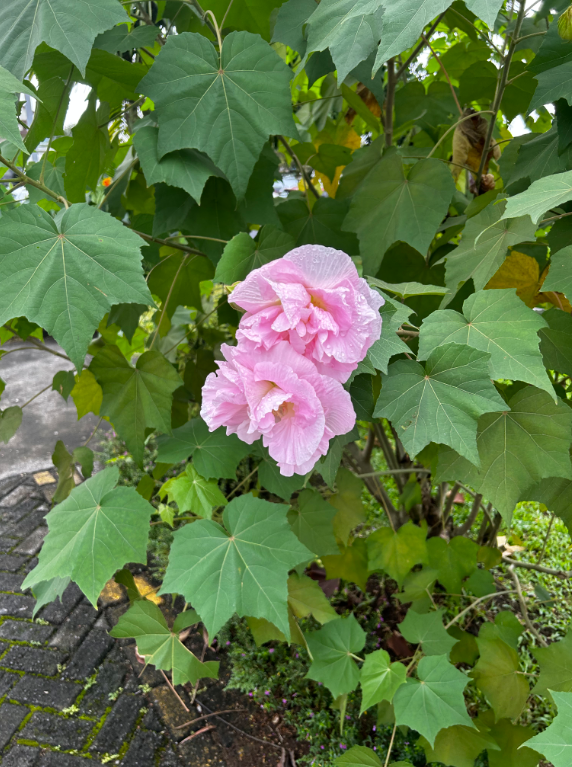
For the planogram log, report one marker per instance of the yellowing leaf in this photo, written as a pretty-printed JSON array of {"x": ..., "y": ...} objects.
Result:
[
  {"x": 521, "y": 272},
  {"x": 86, "y": 394}
]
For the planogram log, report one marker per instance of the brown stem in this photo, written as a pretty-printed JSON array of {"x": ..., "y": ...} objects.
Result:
[
  {"x": 468, "y": 523},
  {"x": 159, "y": 241},
  {"x": 375, "y": 487},
  {"x": 538, "y": 568},
  {"x": 543, "y": 552},
  {"x": 524, "y": 609},
  {"x": 450, "y": 501},
  {"x": 305, "y": 176}
]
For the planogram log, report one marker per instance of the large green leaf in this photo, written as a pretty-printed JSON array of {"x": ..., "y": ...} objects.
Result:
[
  {"x": 452, "y": 561},
  {"x": 397, "y": 203},
  {"x": 185, "y": 168},
  {"x": 428, "y": 631},
  {"x": 53, "y": 99},
  {"x": 458, "y": 746},
  {"x": 176, "y": 280},
  {"x": 397, "y": 552},
  {"x": 121, "y": 39},
  {"x": 332, "y": 648},
  {"x": 160, "y": 646},
  {"x": 312, "y": 521},
  {"x": 359, "y": 756},
  {"x": 93, "y": 533},
  {"x": 486, "y": 239},
  {"x": 379, "y": 679},
  {"x": 487, "y": 10},
  {"x": 556, "y": 495},
  {"x": 435, "y": 700},
  {"x": 348, "y": 502},
  {"x": 135, "y": 398},
  {"x": 440, "y": 402},
  {"x": 69, "y": 26},
  {"x": 517, "y": 449},
  {"x": 511, "y": 741},
  {"x": 243, "y": 254},
  {"x": 191, "y": 492},
  {"x": 556, "y": 338},
  {"x": 560, "y": 274},
  {"x": 498, "y": 676},
  {"x": 244, "y": 570},
  {"x": 224, "y": 107},
  {"x": 393, "y": 314},
  {"x": 319, "y": 225},
  {"x": 555, "y": 666},
  {"x": 403, "y": 22},
  {"x": 89, "y": 154},
  {"x": 10, "y": 88},
  {"x": 66, "y": 272},
  {"x": 214, "y": 453},
  {"x": 497, "y": 322},
  {"x": 350, "y": 29},
  {"x": 290, "y": 22},
  {"x": 555, "y": 743},
  {"x": 305, "y": 597},
  {"x": 541, "y": 195}
]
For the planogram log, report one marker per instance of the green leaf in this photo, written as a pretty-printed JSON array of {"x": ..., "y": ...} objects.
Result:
[
  {"x": 487, "y": 10},
  {"x": 428, "y": 631},
  {"x": 435, "y": 701},
  {"x": 440, "y": 402},
  {"x": 185, "y": 168},
  {"x": 214, "y": 454},
  {"x": 305, "y": 597},
  {"x": 542, "y": 195},
  {"x": 397, "y": 552},
  {"x": 145, "y": 623},
  {"x": 347, "y": 500},
  {"x": 555, "y": 743},
  {"x": 458, "y": 746},
  {"x": 359, "y": 756},
  {"x": 63, "y": 462},
  {"x": 10, "y": 420},
  {"x": 393, "y": 314},
  {"x": 481, "y": 583},
  {"x": 511, "y": 740},
  {"x": 135, "y": 398},
  {"x": 560, "y": 274},
  {"x": 351, "y": 30},
  {"x": 93, "y": 533},
  {"x": 556, "y": 338},
  {"x": 312, "y": 521},
  {"x": 484, "y": 245},
  {"x": 69, "y": 26},
  {"x": 216, "y": 217},
  {"x": 243, "y": 254},
  {"x": 51, "y": 106},
  {"x": 397, "y": 203},
  {"x": 466, "y": 650},
  {"x": 380, "y": 679},
  {"x": 248, "y": 100},
  {"x": 271, "y": 478},
  {"x": 290, "y": 21},
  {"x": 90, "y": 152},
  {"x": 322, "y": 225},
  {"x": 403, "y": 22},
  {"x": 48, "y": 591},
  {"x": 84, "y": 258},
  {"x": 10, "y": 88},
  {"x": 452, "y": 561},
  {"x": 63, "y": 383},
  {"x": 243, "y": 570},
  {"x": 86, "y": 394},
  {"x": 517, "y": 449},
  {"x": 497, "y": 322},
  {"x": 406, "y": 290},
  {"x": 121, "y": 39},
  {"x": 351, "y": 564},
  {"x": 497, "y": 676},
  {"x": 331, "y": 648},
  {"x": 191, "y": 492},
  {"x": 176, "y": 279},
  {"x": 555, "y": 666},
  {"x": 329, "y": 464}
]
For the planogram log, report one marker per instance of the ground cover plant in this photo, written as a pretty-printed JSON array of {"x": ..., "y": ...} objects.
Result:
[{"x": 317, "y": 258}]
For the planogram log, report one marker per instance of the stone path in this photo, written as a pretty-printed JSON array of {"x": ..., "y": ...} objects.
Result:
[{"x": 69, "y": 697}]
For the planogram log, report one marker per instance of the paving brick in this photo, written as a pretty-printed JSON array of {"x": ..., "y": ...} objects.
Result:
[
  {"x": 89, "y": 655},
  {"x": 145, "y": 675},
  {"x": 7, "y": 679},
  {"x": 74, "y": 628},
  {"x": 11, "y": 582},
  {"x": 21, "y": 756},
  {"x": 168, "y": 758},
  {"x": 57, "y": 611},
  {"x": 109, "y": 679},
  {"x": 150, "y": 722},
  {"x": 53, "y": 759},
  {"x": 118, "y": 725},
  {"x": 53, "y": 730},
  {"x": 19, "y": 494},
  {"x": 33, "y": 543},
  {"x": 32, "y": 659},
  {"x": 7, "y": 543},
  {"x": 24, "y": 631},
  {"x": 11, "y": 563},
  {"x": 16, "y": 606},
  {"x": 23, "y": 527},
  {"x": 45, "y": 692},
  {"x": 141, "y": 752},
  {"x": 10, "y": 719},
  {"x": 8, "y": 484},
  {"x": 170, "y": 711}
]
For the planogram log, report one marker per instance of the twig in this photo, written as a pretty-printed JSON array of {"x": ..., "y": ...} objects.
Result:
[
  {"x": 389, "y": 750},
  {"x": 198, "y": 732},
  {"x": 442, "y": 66},
  {"x": 542, "y": 553},
  {"x": 389, "y": 99},
  {"x": 168, "y": 298},
  {"x": 49, "y": 386},
  {"x": 538, "y": 568},
  {"x": 226, "y": 14},
  {"x": 88, "y": 440},
  {"x": 524, "y": 609},
  {"x": 554, "y": 218},
  {"x": 202, "y": 14},
  {"x": 305, "y": 176},
  {"x": 27, "y": 180},
  {"x": 242, "y": 732},
  {"x": 402, "y": 69},
  {"x": 175, "y": 245},
  {"x": 450, "y": 501},
  {"x": 474, "y": 603},
  {"x": 207, "y": 716},
  {"x": 181, "y": 701},
  {"x": 229, "y": 496},
  {"x": 501, "y": 84},
  {"x": 217, "y": 30}
]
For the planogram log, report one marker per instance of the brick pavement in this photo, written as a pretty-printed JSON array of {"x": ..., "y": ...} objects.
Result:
[{"x": 69, "y": 695}]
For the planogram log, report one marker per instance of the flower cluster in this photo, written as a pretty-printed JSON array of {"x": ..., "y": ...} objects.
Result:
[{"x": 309, "y": 320}]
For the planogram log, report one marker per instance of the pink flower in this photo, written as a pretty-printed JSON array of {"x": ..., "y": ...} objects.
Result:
[
  {"x": 314, "y": 298},
  {"x": 277, "y": 394}
]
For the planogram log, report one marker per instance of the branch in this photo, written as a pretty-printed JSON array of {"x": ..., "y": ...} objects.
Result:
[
  {"x": 473, "y": 604},
  {"x": 438, "y": 60},
  {"x": 389, "y": 99},
  {"x": 159, "y": 241},
  {"x": 501, "y": 85},
  {"x": 468, "y": 523},
  {"x": 27, "y": 180},
  {"x": 450, "y": 501},
  {"x": 374, "y": 486},
  {"x": 538, "y": 568},
  {"x": 305, "y": 176},
  {"x": 524, "y": 609}
]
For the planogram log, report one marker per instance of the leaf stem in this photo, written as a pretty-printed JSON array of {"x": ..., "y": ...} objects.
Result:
[
  {"x": 202, "y": 14},
  {"x": 389, "y": 100},
  {"x": 49, "y": 386}
]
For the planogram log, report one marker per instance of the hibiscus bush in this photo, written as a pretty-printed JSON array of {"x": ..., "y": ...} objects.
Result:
[{"x": 317, "y": 256}]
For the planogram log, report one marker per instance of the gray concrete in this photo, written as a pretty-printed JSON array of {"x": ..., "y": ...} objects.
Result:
[{"x": 46, "y": 419}]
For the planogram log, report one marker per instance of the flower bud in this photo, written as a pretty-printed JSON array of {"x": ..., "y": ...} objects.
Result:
[{"x": 565, "y": 24}]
